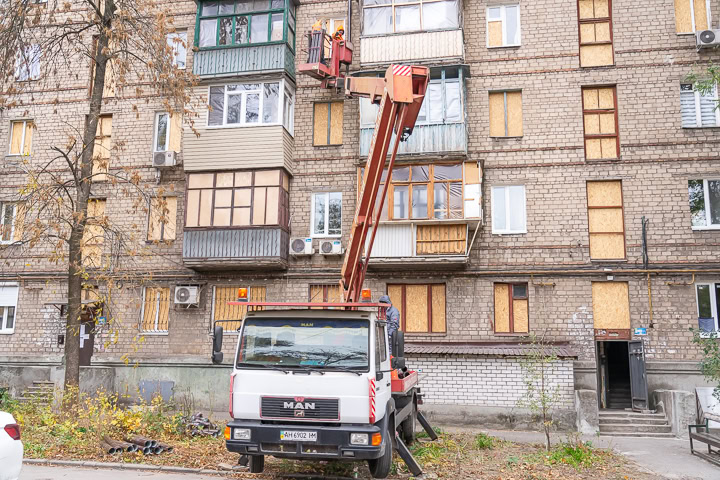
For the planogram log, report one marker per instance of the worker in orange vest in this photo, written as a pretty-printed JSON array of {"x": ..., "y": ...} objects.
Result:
[{"x": 339, "y": 34}]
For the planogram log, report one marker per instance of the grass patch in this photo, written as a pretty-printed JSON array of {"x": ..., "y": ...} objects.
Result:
[
  {"x": 423, "y": 434},
  {"x": 484, "y": 441},
  {"x": 576, "y": 454}
]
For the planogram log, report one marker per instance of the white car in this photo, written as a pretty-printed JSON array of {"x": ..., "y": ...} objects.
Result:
[{"x": 11, "y": 448}]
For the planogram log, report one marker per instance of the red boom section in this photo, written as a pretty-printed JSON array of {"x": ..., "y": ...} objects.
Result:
[{"x": 401, "y": 94}]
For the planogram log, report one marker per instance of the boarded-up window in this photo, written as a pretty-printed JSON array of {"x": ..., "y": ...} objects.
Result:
[
  {"x": 21, "y": 133},
  {"x": 511, "y": 308},
  {"x": 605, "y": 220},
  {"x": 692, "y": 15},
  {"x": 103, "y": 146},
  {"x": 234, "y": 313},
  {"x": 506, "y": 114},
  {"x": 611, "y": 305},
  {"x": 156, "y": 309},
  {"x": 237, "y": 199},
  {"x": 325, "y": 294},
  {"x": 596, "y": 41},
  {"x": 328, "y": 123},
  {"x": 162, "y": 219},
  {"x": 422, "y": 307},
  {"x": 109, "y": 87},
  {"x": 600, "y": 119},
  {"x": 94, "y": 234},
  {"x": 503, "y": 26},
  {"x": 441, "y": 239}
]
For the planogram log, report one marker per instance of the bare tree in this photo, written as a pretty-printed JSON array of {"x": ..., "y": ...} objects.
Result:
[{"x": 127, "y": 49}]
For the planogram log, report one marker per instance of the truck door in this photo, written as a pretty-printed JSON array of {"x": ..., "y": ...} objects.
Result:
[{"x": 382, "y": 370}]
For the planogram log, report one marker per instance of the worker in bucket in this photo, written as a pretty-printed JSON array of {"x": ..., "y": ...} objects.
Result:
[
  {"x": 339, "y": 34},
  {"x": 392, "y": 316}
]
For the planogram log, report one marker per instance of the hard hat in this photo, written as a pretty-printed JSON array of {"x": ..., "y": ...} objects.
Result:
[{"x": 340, "y": 29}]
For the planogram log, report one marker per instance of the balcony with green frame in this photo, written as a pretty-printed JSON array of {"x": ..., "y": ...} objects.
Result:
[{"x": 241, "y": 37}]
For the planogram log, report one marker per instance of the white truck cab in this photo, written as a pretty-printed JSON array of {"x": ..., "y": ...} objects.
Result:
[{"x": 314, "y": 384}]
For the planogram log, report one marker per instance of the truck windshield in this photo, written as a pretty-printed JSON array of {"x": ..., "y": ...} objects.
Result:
[{"x": 304, "y": 343}]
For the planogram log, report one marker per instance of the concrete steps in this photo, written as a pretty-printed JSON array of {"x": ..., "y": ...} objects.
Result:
[
  {"x": 39, "y": 392},
  {"x": 622, "y": 423}
]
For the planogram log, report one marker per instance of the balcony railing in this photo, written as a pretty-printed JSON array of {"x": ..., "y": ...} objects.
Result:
[
  {"x": 225, "y": 62},
  {"x": 450, "y": 137},
  {"x": 441, "y": 45},
  {"x": 246, "y": 248}
]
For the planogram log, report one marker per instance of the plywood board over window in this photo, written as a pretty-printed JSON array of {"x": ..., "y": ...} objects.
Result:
[
  {"x": 441, "y": 239},
  {"x": 506, "y": 114},
  {"x": 325, "y": 294},
  {"x": 102, "y": 149},
  {"x": 223, "y": 311},
  {"x": 606, "y": 224},
  {"x": 421, "y": 307},
  {"x": 600, "y": 122},
  {"x": 692, "y": 15},
  {"x": 611, "y": 305},
  {"x": 511, "y": 308},
  {"x": 328, "y": 123},
  {"x": 595, "y": 28},
  {"x": 94, "y": 234}
]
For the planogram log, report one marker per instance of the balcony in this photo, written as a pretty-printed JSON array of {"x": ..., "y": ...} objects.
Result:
[
  {"x": 264, "y": 248},
  {"x": 442, "y": 138},
  {"x": 442, "y": 45},
  {"x": 423, "y": 245},
  {"x": 228, "y": 62}
]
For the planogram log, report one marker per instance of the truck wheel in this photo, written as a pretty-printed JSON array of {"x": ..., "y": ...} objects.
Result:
[
  {"x": 380, "y": 467},
  {"x": 257, "y": 463},
  {"x": 407, "y": 427}
]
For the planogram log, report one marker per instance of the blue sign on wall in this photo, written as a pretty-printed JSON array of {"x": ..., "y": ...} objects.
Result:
[{"x": 641, "y": 331}]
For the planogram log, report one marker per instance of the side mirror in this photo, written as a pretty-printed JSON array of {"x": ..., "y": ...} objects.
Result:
[
  {"x": 397, "y": 344},
  {"x": 397, "y": 363},
  {"x": 217, "y": 354}
]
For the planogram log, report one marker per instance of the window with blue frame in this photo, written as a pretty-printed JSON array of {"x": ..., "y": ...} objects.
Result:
[{"x": 224, "y": 23}]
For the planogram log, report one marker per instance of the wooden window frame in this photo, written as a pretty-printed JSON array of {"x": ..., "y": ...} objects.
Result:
[
  {"x": 692, "y": 17},
  {"x": 157, "y": 312},
  {"x": 600, "y": 111},
  {"x": 26, "y": 122},
  {"x": 329, "y": 122},
  {"x": 283, "y": 200},
  {"x": 511, "y": 297},
  {"x": 503, "y": 20},
  {"x": 588, "y": 21},
  {"x": 597, "y": 207},
  {"x": 403, "y": 314}
]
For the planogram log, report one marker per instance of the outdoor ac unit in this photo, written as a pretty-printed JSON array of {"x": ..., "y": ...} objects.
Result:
[
  {"x": 331, "y": 247},
  {"x": 186, "y": 295},
  {"x": 164, "y": 159},
  {"x": 301, "y": 246},
  {"x": 708, "y": 39}
]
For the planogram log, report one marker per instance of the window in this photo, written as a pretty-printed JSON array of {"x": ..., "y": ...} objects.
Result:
[
  {"x": 390, "y": 16},
  {"x": 162, "y": 219},
  {"x": 508, "y": 209},
  {"x": 600, "y": 123},
  {"x": 697, "y": 109},
  {"x": 506, "y": 114},
  {"x": 692, "y": 15},
  {"x": 27, "y": 64},
  {"x": 156, "y": 310},
  {"x": 596, "y": 44},
  {"x": 177, "y": 41},
  {"x": 162, "y": 127},
  {"x": 704, "y": 203},
  {"x": 605, "y": 220},
  {"x": 511, "y": 308},
  {"x": 503, "y": 26},
  {"x": 243, "y": 22},
  {"x": 94, "y": 234},
  {"x": 707, "y": 295},
  {"x": 103, "y": 146},
  {"x": 8, "y": 307},
  {"x": 422, "y": 307},
  {"x": 326, "y": 214},
  {"x": 237, "y": 199},
  {"x": 289, "y": 111},
  {"x": 611, "y": 306},
  {"x": 21, "y": 132},
  {"x": 381, "y": 350},
  {"x": 328, "y": 123},
  {"x": 10, "y": 222},
  {"x": 233, "y": 314},
  {"x": 325, "y": 294},
  {"x": 248, "y": 104}
]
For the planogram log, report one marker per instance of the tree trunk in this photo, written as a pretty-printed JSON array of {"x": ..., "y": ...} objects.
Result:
[{"x": 83, "y": 182}]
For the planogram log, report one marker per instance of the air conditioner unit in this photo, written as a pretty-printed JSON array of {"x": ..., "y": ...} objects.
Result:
[
  {"x": 164, "y": 159},
  {"x": 301, "y": 246},
  {"x": 331, "y": 247},
  {"x": 186, "y": 295},
  {"x": 708, "y": 39}
]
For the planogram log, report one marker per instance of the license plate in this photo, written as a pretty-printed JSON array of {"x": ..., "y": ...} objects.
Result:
[{"x": 294, "y": 436}]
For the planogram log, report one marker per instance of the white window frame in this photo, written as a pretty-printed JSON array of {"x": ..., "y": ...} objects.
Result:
[
  {"x": 281, "y": 107},
  {"x": 288, "y": 115},
  {"x": 325, "y": 234},
  {"x": 692, "y": 17},
  {"x": 713, "y": 306},
  {"x": 698, "y": 112},
  {"x": 506, "y": 199},
  {"x": 503, "y": 19},
  {"x": 706, "y": 197},
  {"x": 156, "y": 131},
  {"x": 3, "y": 318},
  {"x": 157, "y": 314},
  {"x": 182, "y": 35},
  {"x": 392, "y": 4},
  {"x": 22, "y": 138},
  {"x": 3, "y": 208},
  {"x": 30, "y": 71}
]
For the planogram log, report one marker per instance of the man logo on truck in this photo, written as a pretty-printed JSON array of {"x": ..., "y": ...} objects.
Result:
[{"x": 299, "y": 405}]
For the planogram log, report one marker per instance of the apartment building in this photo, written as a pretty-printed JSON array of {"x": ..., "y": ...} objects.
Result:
[{"x": 561, "y": 182}]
